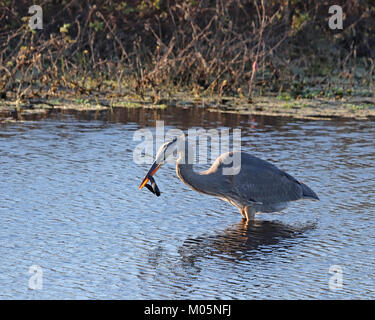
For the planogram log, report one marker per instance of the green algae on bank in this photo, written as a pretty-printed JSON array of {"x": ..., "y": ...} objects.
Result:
[
  {"x": 318, "y": 108},
  {"x": 9, "y": 109}
]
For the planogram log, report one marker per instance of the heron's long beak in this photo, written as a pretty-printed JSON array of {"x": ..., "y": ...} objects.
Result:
[{"x": 155, "y": 166}]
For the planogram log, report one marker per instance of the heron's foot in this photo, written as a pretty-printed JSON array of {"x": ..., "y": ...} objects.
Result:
[{"x": 247, "y": 222}]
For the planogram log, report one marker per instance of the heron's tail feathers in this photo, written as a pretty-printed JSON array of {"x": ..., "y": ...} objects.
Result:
[{"x": 308, "y": 193}]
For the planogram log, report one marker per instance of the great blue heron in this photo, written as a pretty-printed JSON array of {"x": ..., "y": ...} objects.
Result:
[{"x": 259, "y": 186}]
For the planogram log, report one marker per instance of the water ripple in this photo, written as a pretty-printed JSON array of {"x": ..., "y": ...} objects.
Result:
[{"x": 70, "y": 204}]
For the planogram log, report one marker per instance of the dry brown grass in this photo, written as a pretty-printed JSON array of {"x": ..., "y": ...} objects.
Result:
[{"x": 150, "y": 48}]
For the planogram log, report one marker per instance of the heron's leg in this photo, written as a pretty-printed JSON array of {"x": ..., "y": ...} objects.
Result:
[
  {"x": 249, "y": 213},
  {"x": 242, "y": 211}
]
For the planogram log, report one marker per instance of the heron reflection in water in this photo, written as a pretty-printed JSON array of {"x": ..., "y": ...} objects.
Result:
[
  {"x": 240, "y": 241},
  {"x": 259, "y": 186}
]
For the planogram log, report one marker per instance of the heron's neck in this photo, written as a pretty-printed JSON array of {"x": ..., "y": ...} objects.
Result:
[{"x": 200, "y": 182}]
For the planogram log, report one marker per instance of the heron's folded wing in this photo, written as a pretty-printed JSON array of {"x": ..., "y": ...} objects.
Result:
[{"x": 266, "y": 184}]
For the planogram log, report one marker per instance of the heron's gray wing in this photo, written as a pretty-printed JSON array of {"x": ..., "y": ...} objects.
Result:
[{"x": 260, "y": 181}]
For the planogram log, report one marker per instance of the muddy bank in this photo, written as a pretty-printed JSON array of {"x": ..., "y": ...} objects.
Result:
[
  {"x": 359, "y": 108},
  {"x": 351, "y": 108}
]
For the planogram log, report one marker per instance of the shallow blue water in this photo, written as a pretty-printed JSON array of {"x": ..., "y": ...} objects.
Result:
[{"x": 70, "y": 205}]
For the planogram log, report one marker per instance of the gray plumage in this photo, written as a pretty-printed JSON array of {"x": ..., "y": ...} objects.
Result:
[{"x": 259, "y": 186}]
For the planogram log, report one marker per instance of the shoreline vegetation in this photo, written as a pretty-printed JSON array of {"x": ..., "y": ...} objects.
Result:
[{"x": 250, "y": 57}]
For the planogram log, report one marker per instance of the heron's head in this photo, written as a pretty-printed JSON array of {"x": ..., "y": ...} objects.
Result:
[{"x": 164, "y": 152}]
